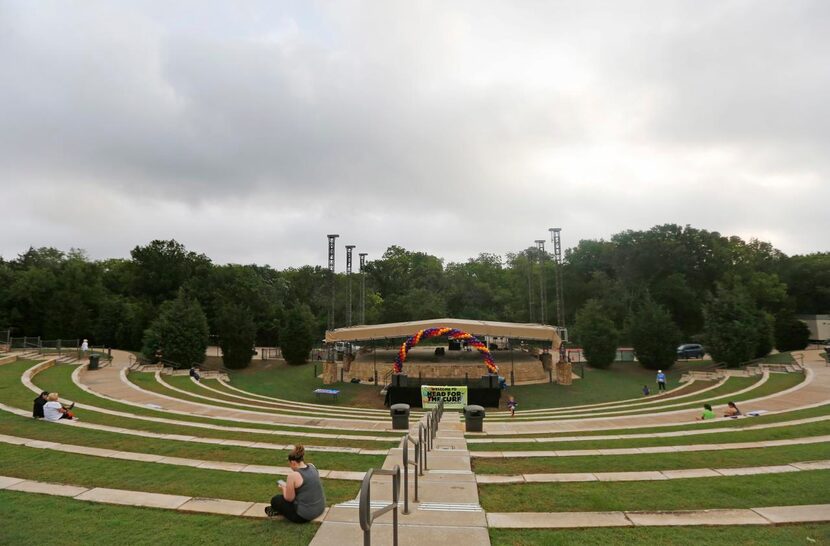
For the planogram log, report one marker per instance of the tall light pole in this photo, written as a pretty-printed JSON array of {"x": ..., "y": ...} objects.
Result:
[
  {"x": 557, "y": 256},
  {"x": 332, "y": 239},
  {"x": 529, "y": 287},
  {"x": 349, "y": 249},
  {"x": 362, "y": 288},
  {"x": 540, "y": 246}
]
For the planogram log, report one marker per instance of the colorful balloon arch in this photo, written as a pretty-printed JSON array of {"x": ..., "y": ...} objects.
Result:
[{"x": 451, "y": 333}]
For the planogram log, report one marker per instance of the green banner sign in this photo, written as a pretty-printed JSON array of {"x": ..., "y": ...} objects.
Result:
[{"x": 453, "y": 397}]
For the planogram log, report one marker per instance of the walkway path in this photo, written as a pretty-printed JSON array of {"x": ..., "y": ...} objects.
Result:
[
  {"x": 110, "y": 382},
  {"x": 448, "y": 511},
  {"x": 653, "y": 475},
  {"x": 162, "y": 459}
]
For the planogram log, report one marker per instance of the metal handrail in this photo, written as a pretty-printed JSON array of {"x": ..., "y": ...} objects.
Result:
[
  {"x": 422, "y": 436},
  {"x": 367, "y": 517},
  {"x": 406, "y": 463},
  {"x": 429, "y": 431}
]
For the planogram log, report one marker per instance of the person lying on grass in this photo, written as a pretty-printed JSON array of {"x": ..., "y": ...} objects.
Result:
[
  {"x": 55, "y": 411},
  {"x": 707, "y": 413},
  {"x": 302, "y": 497}
]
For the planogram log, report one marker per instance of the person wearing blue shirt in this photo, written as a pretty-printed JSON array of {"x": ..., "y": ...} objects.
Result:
[{"x": 661, "y": 381}]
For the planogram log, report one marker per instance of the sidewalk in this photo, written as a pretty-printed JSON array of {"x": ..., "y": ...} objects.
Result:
[{"x": 448, "y": 511}]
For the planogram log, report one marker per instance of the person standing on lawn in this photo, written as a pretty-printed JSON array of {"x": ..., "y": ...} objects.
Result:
[{"x": 661, "y": 381}]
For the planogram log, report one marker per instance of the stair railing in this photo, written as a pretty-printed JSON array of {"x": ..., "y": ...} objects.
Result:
[{"x": 365, "y": 513}]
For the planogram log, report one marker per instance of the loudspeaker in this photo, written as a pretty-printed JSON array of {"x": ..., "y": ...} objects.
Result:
[
  {"x": 490, "y": 381},
  {"x": 399, "y": 380}
]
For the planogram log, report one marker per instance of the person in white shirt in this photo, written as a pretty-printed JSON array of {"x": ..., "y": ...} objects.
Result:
[
  {"x": 54, "y": 410},
  {"x": 85, "y": 347}
]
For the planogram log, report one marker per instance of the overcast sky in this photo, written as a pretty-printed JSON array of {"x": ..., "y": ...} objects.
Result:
[{"x": 250, "y": 130}]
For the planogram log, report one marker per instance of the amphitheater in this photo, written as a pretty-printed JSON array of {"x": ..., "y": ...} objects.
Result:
[{"x": 160, "y": 449}]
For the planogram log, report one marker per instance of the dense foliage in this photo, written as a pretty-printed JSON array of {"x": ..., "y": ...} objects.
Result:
[
  {"x": 238, "y": 335},
  {"x": 597, "y": 335},
  {"x": 299, "y": 335},
  {"x": 790, "y": 333},
  {"x": 180, "y": 333},
  {"x": 54, "y": 294},
  {"x": 654, "y": 335}
]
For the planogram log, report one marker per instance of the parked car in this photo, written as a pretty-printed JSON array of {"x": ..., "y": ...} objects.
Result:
[{"x": 690, "y": 350}]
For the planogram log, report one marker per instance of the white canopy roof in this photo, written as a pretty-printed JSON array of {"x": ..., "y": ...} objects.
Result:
[{"x": 515, "y": 330}]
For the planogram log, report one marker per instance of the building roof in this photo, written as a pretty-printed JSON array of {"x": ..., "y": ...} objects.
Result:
[{"x": 515, "y": 330}]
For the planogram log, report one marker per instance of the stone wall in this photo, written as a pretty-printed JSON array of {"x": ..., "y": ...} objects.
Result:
[{"x": 523, "y": 371}]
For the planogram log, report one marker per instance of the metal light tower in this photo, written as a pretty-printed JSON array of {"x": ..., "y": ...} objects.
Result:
[
  {"x": 557, "y": 256},
  {"x": 529, "y": 287},
  {"x": 332, "y": 238},
  {"x": 362, "y": 288},
  {"x": 349, "y": 249},
  {"x": 540, "y": 246}
]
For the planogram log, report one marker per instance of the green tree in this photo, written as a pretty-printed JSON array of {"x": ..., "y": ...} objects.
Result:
[
  {"x": 237, "y": 334},
  {"x": 179, "y": 333},
  {"x": 297, "y": 337},
  {"x": 731, "y": 331},
  {"x": 791, "y": 334},
  {"x": 654, "y": 335},
  {"x": 596, "y": 334},
  {"x": 765, "y": 340}
]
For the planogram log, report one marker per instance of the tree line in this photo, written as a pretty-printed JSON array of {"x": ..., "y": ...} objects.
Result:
[{"x": 685, "y": 284}]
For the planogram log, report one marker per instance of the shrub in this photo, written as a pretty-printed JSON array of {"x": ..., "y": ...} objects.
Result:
[
  {"x": 597, "y": 335},
  {"x": 654, "y": 335},
  {"x": 791, "y": 334},
  {"x": 297, "y": 336}
]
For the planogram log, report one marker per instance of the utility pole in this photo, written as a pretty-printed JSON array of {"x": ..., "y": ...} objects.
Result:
[
  {"x": 557, "y": 256},
  {"x": 540, "y": 246},
  {"x": 349, "y": 249},
  {"x": 362, "y": 288},
  {"x": 332, "y": 238}
]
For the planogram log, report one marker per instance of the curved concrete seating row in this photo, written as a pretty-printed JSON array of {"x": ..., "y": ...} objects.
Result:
[
  {"x": 26, "y": 380},
  {"x": 176, "y": 461},
  {"x": 634, "y": 408}
]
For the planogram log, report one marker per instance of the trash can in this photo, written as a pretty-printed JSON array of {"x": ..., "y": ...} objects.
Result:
[
  {"x": 474, "y": 418},
  {"x": 93, "y": 362},
  {"x": 400, "y": 416}
]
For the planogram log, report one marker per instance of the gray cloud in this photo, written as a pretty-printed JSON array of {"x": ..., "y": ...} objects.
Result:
[{"x": 248, "y": 132}]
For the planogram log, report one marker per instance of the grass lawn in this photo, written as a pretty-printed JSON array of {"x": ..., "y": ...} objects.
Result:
[
  {"x": 654, "y": 461},
  {"x": 818, "y": 428},
  {"x": 779, "y": 358},
  {"x": 14, "y": 425},
  {"x": 58, "y": 379},
  {"x": 71, "y": 522},
  {"x": 623, "y": 380},
  {"x": 288, "y": 408},
  {"x": 789, "y": 535},
  {"x": 721, "y": 395},
  {"x": 89, "y": 471},
  {"x": 698, "y": 425},
  {"x": 733, "y": 384},
  {"x": 808, "y": 487},
  {"x": 277, "y": 379},
  {"x": 147, "y": 381}
]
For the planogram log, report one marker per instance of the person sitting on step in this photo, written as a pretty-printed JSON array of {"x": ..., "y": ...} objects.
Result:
[
  {"x": 53, "y": 410},
  {"x": 707, "y": 413},
  {"x": 732, "y": 410},
  {"x": 37, "y": 408},
  {"x": 194, "y": 373},
  {"x": 302, "y": 497}
]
